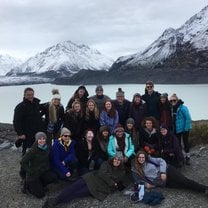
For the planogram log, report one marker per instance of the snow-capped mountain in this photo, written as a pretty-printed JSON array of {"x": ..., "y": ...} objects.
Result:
[
  {"x": 7, "y": 63},
  {"x": 174, "y": 45},
  {"x": 65, "y": 58}
]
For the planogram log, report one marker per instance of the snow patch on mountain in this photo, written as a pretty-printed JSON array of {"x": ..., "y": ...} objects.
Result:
[{"x": 7, "y": 63}]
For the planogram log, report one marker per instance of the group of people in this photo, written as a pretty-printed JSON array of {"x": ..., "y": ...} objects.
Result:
[{"x": 96, "y": 141}]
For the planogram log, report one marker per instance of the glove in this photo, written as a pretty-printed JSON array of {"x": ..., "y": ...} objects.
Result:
[{"x": 120, "y": 186}]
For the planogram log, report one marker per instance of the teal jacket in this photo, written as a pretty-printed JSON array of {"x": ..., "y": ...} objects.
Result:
[{"x": 129, "y": 147}]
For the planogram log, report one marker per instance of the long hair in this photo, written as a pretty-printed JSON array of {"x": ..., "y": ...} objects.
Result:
[
  {"x": 140, "y": 167},
  {"x": 112, "y": 112},
  {"x": 95, "y": 111},
  {"x": 52, "y": 108}
]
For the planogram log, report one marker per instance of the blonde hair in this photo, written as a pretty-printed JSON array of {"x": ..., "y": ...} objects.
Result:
[
  {"x": 175, "y": 96},
  {"x": 96, "y": 111},
  {"x": 52, "y": 108}
]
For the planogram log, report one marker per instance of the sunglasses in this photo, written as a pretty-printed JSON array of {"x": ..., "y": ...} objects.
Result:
[
  {"x": 149, "y": 87},
  {"x": 66, "y": 135},
  {"x": 172, "y": 101}
]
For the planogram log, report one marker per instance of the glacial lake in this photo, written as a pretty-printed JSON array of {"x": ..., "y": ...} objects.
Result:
[{"x": 194, "y": 96}]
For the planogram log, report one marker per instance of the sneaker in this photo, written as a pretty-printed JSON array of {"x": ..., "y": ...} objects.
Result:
[{"x": 187, "y": 162}]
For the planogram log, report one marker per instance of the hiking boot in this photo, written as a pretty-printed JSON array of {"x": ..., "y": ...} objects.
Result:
[{"x": 187, "y": 162}]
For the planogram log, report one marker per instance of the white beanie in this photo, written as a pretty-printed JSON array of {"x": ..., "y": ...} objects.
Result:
[{"x": 56, "y": 94}]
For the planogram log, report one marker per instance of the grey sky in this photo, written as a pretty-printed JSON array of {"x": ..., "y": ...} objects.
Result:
[{"x": 114, "y": 27}]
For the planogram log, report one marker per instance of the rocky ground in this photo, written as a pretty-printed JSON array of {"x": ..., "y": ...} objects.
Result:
[{"x": 12, "y": 197}]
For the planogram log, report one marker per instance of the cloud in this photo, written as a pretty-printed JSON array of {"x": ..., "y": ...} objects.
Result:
[{"x": 115, "y": 27}]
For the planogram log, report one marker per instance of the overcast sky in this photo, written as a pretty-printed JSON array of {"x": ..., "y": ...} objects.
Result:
[{"x": 114, "y": 27}]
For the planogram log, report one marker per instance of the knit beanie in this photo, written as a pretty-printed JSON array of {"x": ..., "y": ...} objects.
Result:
[
  {"x": 118, "y": 127},
  {"x": 104, "y": 128},
  {"x": 99, "y": 88},
  {"x": 65, "y": 131},
  {"x": 56, "y": 95},
  {"x": 165, "y": 95},
  {"x": 120, "y": 92},
  {"x": 39, "y": 135},
  {"x": 130, "y": 121}
]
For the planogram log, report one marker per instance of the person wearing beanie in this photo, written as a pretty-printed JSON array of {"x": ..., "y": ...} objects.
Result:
[
  {"x": 170, "y": 149},
  {"x": 138, "y": 110},
  {"x": 99, "y": 97},
  {"x": 63, "y": 156},
  {"x": 81, "y": 94},
  {"x": 133, "y": 132},
  {"x": 36, "y": 164},
  {"x": 122, "y": 105},
  {"x": 120, "y": 143},
  {"x": 165, "y": 110},
  {"x": 54, "y": 116}
]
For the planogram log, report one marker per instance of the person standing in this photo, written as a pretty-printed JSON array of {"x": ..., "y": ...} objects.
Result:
[
  {"x": 27, "y": 120},
  {"x": 122, "y": 105},
  {"x": 181, "y": 124},
  {"x": 152, "y": 99},
  {"x": 99, "y": 97}
]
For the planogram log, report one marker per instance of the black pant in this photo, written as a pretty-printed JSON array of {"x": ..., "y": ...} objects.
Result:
[
  {"x": 185, "y": 136},
  {"x": 175, "y": 179},
  {"x": 36, "y": 185}
]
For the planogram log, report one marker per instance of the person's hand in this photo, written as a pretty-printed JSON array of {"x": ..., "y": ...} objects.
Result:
[
  {"x": 63, "y": 163},
  {"x": 171, "y": 154},
  {"x": 149, "y": 186},
  {"x": 125, "y": 159},
  {"x": 163, "y": 176},
  {"x": 23, "y": 137},
  {"x": 68, "y": 174}
]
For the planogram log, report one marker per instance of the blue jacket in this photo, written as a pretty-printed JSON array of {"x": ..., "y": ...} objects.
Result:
[
  {"x": 59, "y": 155},
  {"x": 183, "y": 119},
  {"x": 129, "y": 147},
  {"x": 108, "y": 121}
]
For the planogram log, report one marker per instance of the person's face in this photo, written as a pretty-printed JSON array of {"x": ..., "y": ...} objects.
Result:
[
  {"x": 108, "y": 106},
  {"x": 119, "y": 133},
  {"x": 137, "y": 99},
  {"x": 91, "y": 106},
  {"x": 163, "y": 131},
  {"x": 120, "y": 99},
  {"x": 116, "y": 162},
  {"x": 149, "y": 88},
  {"x": 148, "y": 125},
  {"x": 42, "y": 141},
  {"x": 81, "y": 92},
  {"x": 105, "y": 133},
  {"x": 56, "y": 102},
  {"x": 77, "y": 108},
  {"x": 173, "y": 101},
  {"x": 141, "y": 158},
  {"x": 129, "y": 126},
  {"x": 66, "y": 137},
  {"x": 162, "y": 99},
  {"x": 89, "y": 135},
  {"x": 29, "y": 95},
  {"x": 99, "y": 92}
]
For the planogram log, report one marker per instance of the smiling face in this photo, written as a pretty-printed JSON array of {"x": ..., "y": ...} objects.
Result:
[
  {"x": 129, "y": 126},
  {"x": 163, "y": 131},
  {"x": 41, "y": 141},
  {"x": 105, "y": 133},
  {"x": 89, "y": 135},
  {"x": 81, "y": 92},
  {"x": 77, "y": 107},
  {"x": 141, "y": 158},
  {"x": 149, "y": 125},
  {"x": 29, "y": 95},
  {"x": 91, "y": 106},
  {"x": 116, "y": 162},
  {"x": 66, "y": 137},
  {"x": 108, "y": 106}
]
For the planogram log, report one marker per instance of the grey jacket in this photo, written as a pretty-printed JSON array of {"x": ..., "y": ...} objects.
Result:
[{"x": 152, "y": 170}]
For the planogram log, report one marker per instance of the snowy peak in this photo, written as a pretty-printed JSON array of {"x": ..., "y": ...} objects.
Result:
[
  {"x": 193, "y": 33},
  {"x": 7, "y": 63},
  {"x": 68, "y": 57}
]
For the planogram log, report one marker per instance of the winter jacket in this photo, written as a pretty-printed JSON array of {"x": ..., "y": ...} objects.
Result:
[
  {"x": 111, "y": 122},
  {"x": 101, "y": 183},
  {"x": 152, "y": 170},
  {"x": 36, "y": 161},
  {"x": 152, "y": 104},
  {"x": 27, "y": 120},
  {"x": 59, "y": 154},
  {"x": 60, "y": 118},
  {"x": 112, "y": 146},
  {"x": 123, "y": 110}
]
